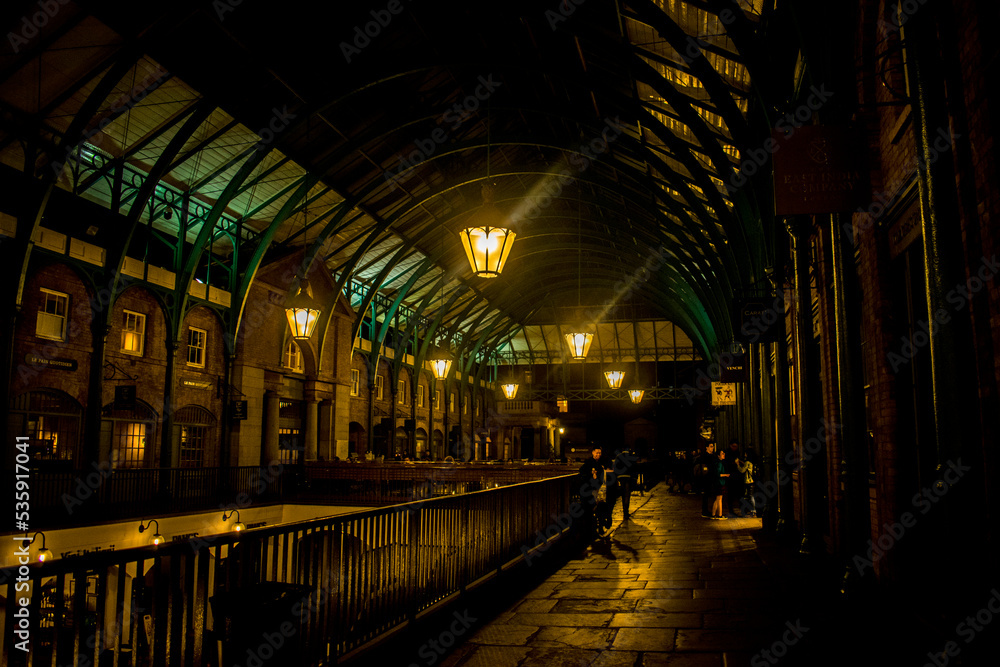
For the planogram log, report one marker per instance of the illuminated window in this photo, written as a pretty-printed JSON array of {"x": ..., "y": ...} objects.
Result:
[
  {"x": 401, "y": 392},
  {"x": 131, "y": 440},
  {"x": 479, "y": 405},
  {"x": 289, "y": 445},
  {"x": 378, "y": 387},
  {"x": 451, "y": 402},
  {"x": 197, "y": 339},
  {"x": 52, "y": 422},
  {"x": 293, "y": 356},
  {"x": 437, "y": 399},
  {"x": 133, "y": 333},
  {"x": 465, "y": 407},
  {"x": 51, "y": 321},
  {"x": 355, "y": 382},
  {"x": 420, "y": 395}
]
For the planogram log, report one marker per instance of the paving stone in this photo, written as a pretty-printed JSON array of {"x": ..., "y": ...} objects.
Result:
[
  {"x": 719, "y": 640},
  {"x": 592, "y": 606},
  {"x": 496, "y": 656},
  {"x": 588, "y": 638},
  {"x": 676, "y": 606},
  {"x": 509, "y": 635},
  {"x": 683, "y": 660},
  {"x": 660, "y": 593},
  {"x": 602, "y": 585},
  {"x": 535, "y": 606},
  {"x": 571, "y": 620},
  {"x": 653, "y": 620},
  {"x": 645, "y": 639},
  {"x": 560, "y": 657}
]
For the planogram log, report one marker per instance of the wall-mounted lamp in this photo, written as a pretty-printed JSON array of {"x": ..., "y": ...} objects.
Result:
[
  {"x": 43, "y": 553},
  {"x": 239, "y": 524},
  {"x": 157, "y": 539},
  {"x": 562, "y": 429}
]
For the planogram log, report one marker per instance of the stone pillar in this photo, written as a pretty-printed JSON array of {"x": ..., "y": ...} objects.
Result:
[
  {"x": 312, "y": 430},
  {"x": 327, "y": 444},
  {"x": 271, "y": 450}
]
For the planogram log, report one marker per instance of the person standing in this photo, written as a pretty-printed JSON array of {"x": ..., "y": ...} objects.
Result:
[
  {"x": 704, "y": 465},
  {"x": 719, "y": 476},
  {"x": 594, "y": 475},
  {"x": 734, "y": 487},
  {"x": 625, "y": 461},
  {"x": 747, "y": 469}
]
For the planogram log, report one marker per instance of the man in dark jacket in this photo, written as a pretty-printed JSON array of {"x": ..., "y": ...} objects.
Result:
[{"x": 593, "y": 473}]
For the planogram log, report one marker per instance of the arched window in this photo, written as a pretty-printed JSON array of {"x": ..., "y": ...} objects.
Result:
[
  {"x": 197, "y": 426},
  {"x": 421, "y": 444},
  {"x": 132, "y": 434},
  {"x": 292, "y": 358},
  {"x": 51, "y": 420}
]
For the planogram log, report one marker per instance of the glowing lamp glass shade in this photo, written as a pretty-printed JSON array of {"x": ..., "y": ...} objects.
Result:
[
  {"x": 614, "y": 377},
  {"x": 579, "y": 344},
  {"x": 44, "y": 555},
  {"x": 509, "y": 390},
  {"x": 441, "y": 365},
  {"x": 239, "y": 526},
  {"x": 635, "y": 395},
  {"x": 302, "y": 311},
  {"x": 487, "y": 249}
]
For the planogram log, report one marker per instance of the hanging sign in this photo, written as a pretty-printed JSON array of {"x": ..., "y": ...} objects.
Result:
[
  {"x": 723, "y": 393},
  {"x": 817, "y": 169},
  {"x": 238, "y": 410}
]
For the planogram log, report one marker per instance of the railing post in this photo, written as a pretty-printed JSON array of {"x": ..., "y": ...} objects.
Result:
[{"x": 413, "y": 517}]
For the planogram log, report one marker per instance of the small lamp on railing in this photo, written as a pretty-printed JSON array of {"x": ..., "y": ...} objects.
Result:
[
  {"x": 635, "y": 394},
  {"x": 157, "y": 539},
  {"x": 239, "y": 524},
  {"x": 43, "y": 553},
  {"x": 303, "y": 311}
]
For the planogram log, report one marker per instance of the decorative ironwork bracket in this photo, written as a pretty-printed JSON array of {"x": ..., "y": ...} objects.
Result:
[{"x": 114, "y": 370}]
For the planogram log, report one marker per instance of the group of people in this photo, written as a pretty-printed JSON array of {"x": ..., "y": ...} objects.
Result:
[
  {"x": 725, "y": 479},
  {"x": 605, "y": 479}
]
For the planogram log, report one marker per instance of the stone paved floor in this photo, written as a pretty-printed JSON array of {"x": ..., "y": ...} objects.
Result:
[{"x": 668, "y": 587}]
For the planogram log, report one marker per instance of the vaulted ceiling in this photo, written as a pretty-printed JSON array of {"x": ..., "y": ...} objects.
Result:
[{"x": 362, "y": 133}]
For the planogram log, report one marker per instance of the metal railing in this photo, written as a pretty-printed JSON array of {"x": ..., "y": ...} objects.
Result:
[
  {"x": 307, "y": 592},
  {"x": 75, "y": 497},
  {"x": 392, "y": 483}
]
